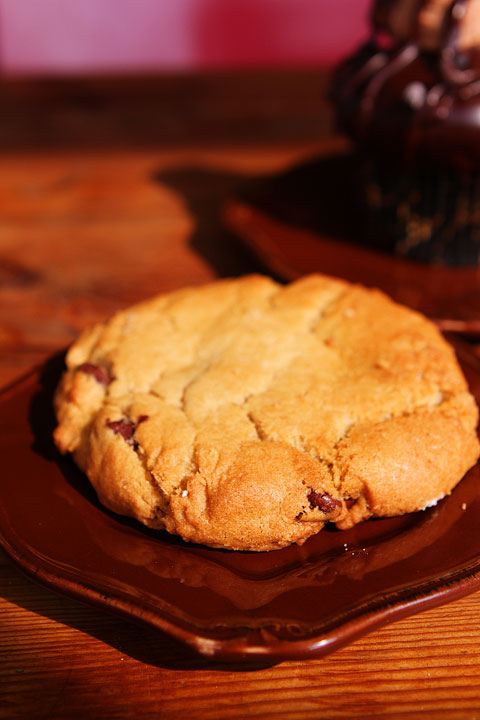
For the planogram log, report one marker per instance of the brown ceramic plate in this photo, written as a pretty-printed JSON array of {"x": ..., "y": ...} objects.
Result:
[
  {"x": 299, "y": 602},
  {"x": 310, "y": 219}
]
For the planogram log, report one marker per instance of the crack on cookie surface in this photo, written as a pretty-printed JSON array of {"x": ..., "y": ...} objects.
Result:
[
  {"x": 323, "y": 312},
  {"x": 258, "y": 429}
]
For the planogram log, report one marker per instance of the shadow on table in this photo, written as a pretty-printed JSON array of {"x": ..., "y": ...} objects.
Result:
[
  {"x": 311, "y": 218},
  {"x": 142, "y": 644},
  {"x": 205, "y": 192},
  {"x": 311, "y": 195}
]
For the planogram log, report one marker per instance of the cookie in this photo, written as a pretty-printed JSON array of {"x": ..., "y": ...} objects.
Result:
[{"x": 246, "y": 414}]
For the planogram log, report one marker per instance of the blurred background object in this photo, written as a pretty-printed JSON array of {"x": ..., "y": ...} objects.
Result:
[{"x": 55, "y": 37}]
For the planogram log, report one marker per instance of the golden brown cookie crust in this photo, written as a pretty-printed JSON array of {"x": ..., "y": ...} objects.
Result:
[{"x": 246, "y": 414}]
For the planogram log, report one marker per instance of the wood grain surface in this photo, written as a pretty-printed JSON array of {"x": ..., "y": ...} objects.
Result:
[{"x": 110, "y": 192}]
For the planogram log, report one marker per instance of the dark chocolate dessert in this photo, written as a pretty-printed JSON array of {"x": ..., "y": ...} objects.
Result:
[{"x": 410, "y": 99}]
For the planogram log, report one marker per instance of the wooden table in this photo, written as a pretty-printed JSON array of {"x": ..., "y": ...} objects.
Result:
[{"x": 110, "y": 192}]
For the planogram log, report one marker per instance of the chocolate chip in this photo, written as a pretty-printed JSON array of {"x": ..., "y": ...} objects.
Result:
[
  {"x": 350, "y": 502},
  {"x": 99, "y": 373},
  {"x": 123, "y": 427},
  {"x": 126, "y": 428},
  {"x": 323, "y": 501}
]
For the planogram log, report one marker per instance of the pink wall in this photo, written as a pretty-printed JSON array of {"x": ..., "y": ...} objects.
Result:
[{"x": 65, "y": 36}]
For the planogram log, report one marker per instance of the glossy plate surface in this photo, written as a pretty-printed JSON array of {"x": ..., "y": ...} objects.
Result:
[{"x": 298, "y": 602}]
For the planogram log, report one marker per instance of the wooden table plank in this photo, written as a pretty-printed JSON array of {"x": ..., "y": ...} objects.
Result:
[{"x": 182, "y": 110}]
